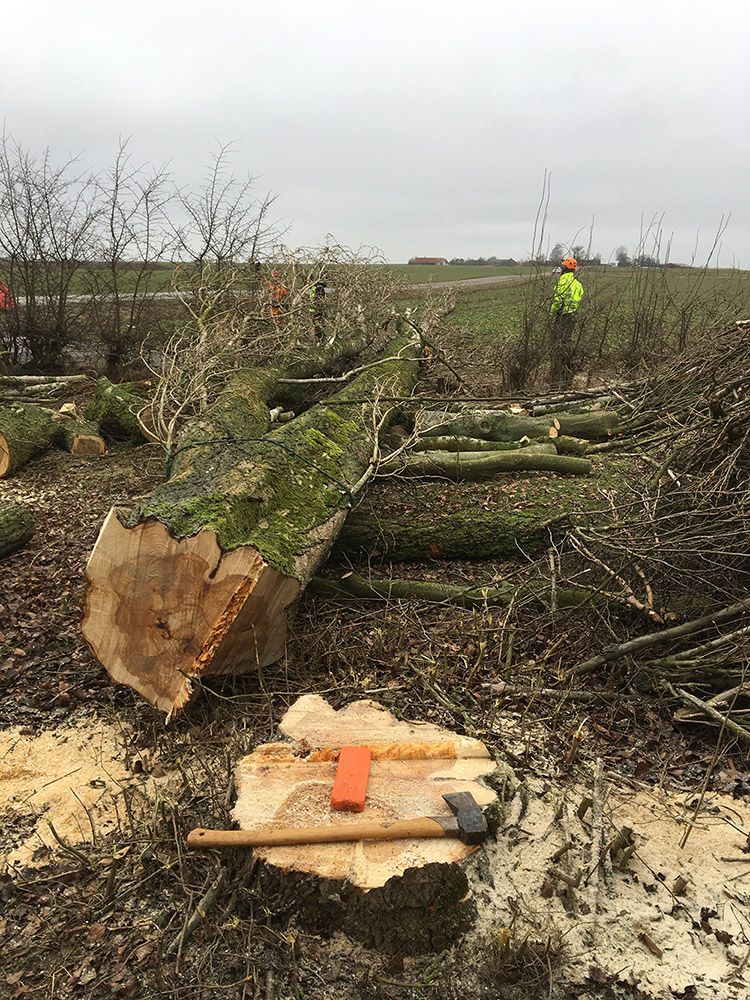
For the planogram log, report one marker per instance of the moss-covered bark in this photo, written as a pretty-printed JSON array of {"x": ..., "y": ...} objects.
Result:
[
  {"x": 25, "y": 431},
  {"x": 115, "y": 408},
  {"x": 496, "y": 425},
  {"x": 274, "y": 492},
  {"x": 241, "y": 410},
  {"x": 471, "y": 534},
  {"x": 16, "y": 527},
  {"x": 500, "y": 594}
]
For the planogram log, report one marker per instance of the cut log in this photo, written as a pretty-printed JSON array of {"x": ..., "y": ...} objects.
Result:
[
  {"x": 496, "y": 425},
  {"x": 447, "y": 442},
  {"x": 471, "y": 466},
  {"x": 403, "y": 895},
  {"x": 426, "y": 534},
  {"x": 16, "y": 527},
  {"x": 80, "y": 437},
  {"x": 25, "y": 431},
  {"x": 197, "y": 581},
  {"x": 501, "y": 594},
  {"x": 115, "y": 408},
  {"x": 566, "y": 445}
]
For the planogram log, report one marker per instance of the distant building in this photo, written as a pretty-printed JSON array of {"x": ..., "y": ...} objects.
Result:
[{"x": 429, "y": 260}]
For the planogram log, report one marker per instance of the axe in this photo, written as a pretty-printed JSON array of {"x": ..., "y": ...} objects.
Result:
[{"x": 468, "y": 823}]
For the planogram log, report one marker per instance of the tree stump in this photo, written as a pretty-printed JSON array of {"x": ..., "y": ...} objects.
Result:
[{"x": 408, "y": 896}]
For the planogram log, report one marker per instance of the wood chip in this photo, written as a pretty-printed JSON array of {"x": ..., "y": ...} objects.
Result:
[{"x": 652, "y": 946}]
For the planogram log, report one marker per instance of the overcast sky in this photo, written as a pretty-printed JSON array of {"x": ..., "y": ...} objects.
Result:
[{"x": 423, "y": 128}]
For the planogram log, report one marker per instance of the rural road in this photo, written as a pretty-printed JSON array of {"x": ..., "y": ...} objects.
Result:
[
  {"x": 498, "y": 279},
  {"x": 489, "y": 282}
]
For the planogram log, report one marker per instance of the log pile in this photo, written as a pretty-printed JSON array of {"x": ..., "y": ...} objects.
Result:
[{"x": 27, "y": 430}]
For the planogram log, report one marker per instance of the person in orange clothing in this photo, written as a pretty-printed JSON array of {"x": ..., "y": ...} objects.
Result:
[{"x": 279, "y": 295}]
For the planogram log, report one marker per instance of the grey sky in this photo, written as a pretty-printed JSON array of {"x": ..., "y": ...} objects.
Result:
[{"x": 422, "y": 128}]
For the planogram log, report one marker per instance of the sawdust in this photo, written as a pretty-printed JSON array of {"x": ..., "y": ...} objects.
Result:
[
  {"x": 629, "y": 919},
  {"x": 71, "y": 777}
]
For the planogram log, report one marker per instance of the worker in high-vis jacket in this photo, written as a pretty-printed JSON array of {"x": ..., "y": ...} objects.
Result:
[{"x": 565, "y": 305}]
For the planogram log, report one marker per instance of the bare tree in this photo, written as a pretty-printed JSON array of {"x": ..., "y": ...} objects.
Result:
[
  {"x": 47, "y": 218},
  {"x": 132, "y": 240}
]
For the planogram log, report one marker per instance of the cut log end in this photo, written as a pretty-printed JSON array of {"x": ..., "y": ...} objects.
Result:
[
  {"x": 158, "y": 630},
  {"x": 4, "y": 456},
  {"x": 87, "y": 445}
]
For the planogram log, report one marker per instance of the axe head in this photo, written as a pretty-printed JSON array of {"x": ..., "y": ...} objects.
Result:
[{"x": 472, "y": 825}]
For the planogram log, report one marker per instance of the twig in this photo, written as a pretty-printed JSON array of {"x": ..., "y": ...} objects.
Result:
[
  {"x": 200, "y": 913},
  {"x": 66, "y": 847},
  {"x": 655, "y": 638}
]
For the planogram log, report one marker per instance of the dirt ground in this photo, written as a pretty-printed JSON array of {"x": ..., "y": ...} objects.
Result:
[{"x": 96, "y": 793}]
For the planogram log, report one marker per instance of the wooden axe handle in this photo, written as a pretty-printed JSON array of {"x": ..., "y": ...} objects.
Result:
[{"x": 332, "y": 834}]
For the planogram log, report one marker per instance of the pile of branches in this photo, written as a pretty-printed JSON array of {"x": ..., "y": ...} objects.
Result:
[{"x": 678, "y": 548}]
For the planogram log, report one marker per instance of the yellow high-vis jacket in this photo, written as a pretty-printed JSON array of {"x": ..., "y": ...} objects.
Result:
[{"x": 568, "y": 295}]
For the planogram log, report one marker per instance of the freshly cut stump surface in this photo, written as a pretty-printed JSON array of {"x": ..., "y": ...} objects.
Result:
[{"x": 408, "y": 895}]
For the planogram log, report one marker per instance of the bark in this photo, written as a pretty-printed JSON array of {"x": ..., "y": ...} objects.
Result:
[
  {"x": 16, "y": 527},
  {"x": 643, "y": 642},
  {"x": 25, "y": 431},
  {"x": 471, "y": 466},
  {"x": 500, "y": 594},
  {"x": 580, "y": 405},
  {"x": 473, "y": 534},
  {"x": 198, "y": 580},
  {"x": 410, "y": 896},
  {"x": 447, "y": 442},
  {"x": 115, "y": 408},
  {"x": 16, "y": 381},
  {"x": 495, "y": 425}
]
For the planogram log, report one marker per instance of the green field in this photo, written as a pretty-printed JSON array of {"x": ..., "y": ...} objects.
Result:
[{"x": 628, "y": 317}]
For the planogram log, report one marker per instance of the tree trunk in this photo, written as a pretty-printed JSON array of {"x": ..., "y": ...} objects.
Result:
[
  {"x": 411, "y": 895},
  {"x": 198, "y": 580},
  {"x": 500, "y": 594},
  {"x": 470, "y": 466},
  {"x": 495, "y": 425},
  {"x": 241, "y": 409},
  {"x": 115, "y": 408},
  {"x": 16, "y": 527},
  {"x": 430, "y": 534},
  {"x": 25, "y": 431}
]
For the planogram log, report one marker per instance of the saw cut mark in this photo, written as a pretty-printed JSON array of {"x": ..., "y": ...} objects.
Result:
[{"x": 177, "y": 609}]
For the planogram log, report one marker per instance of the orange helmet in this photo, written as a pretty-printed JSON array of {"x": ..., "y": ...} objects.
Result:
[{"x": 570, "y": 262}]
